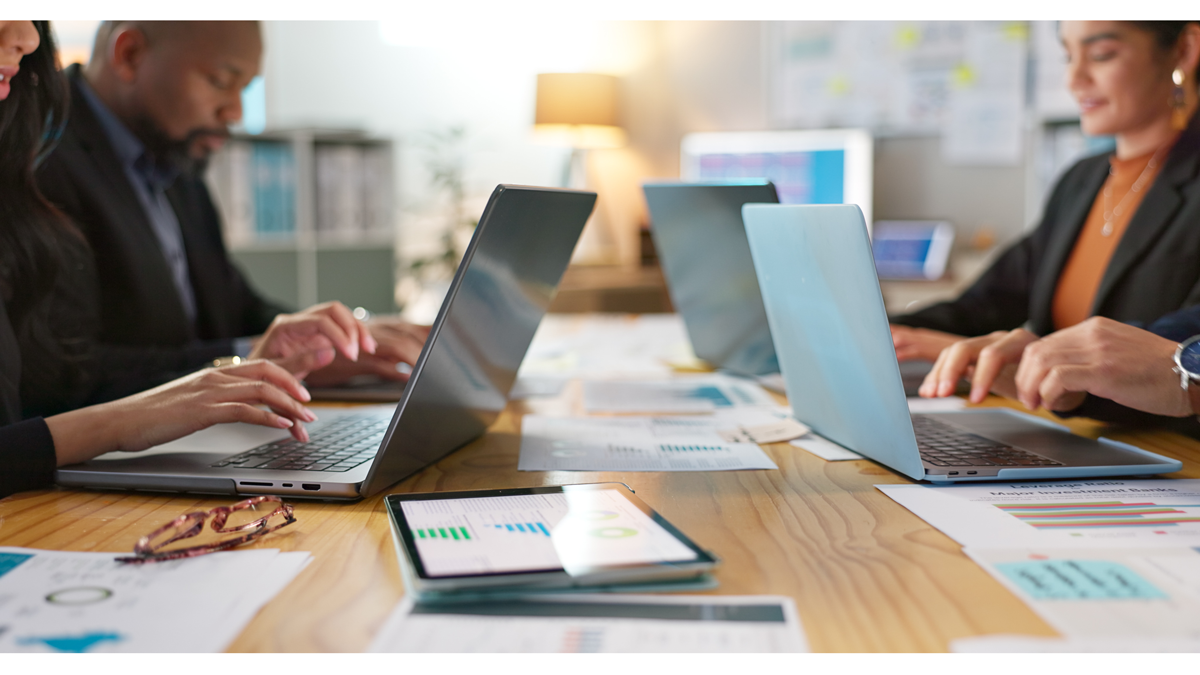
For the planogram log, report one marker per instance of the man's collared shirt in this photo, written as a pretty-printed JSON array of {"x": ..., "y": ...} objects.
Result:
[{"x": 150, "y": 182}]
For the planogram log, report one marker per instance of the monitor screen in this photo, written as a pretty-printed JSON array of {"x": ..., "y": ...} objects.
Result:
[{"x": 832, "y": 166}]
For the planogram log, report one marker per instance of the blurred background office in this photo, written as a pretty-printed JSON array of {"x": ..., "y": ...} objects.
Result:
[{"x": 368, "y": 149}]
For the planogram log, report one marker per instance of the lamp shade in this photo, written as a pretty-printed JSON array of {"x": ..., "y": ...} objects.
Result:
[{"x": 578, "y": 109}]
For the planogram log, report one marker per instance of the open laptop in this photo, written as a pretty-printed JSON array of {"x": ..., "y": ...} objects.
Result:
[
  {"x": 458, "y": 387},
  {"x": 701, "y": 244},
  {"x": 828, "y": 321}
]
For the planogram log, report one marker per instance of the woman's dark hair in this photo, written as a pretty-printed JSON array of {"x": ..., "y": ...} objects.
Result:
[
  {"x": 1166, "y": 33},
  {"x": 31, "y": 230}
]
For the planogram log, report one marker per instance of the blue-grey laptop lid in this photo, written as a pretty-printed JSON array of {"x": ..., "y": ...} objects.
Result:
[
  {"x": 830, "y": 328},
  {"x": 701, "y": 244}
]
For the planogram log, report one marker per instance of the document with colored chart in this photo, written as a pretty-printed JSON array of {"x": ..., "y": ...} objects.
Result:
[
  {"x": 65, "y": 602},
  {"x": 682, "y": 394},
  {"x": 1098, "y": 513},
  {"x": 665, "y": 443},
  {"x": 597, "y": 623},
  {"x": 1147, "y": 596}
]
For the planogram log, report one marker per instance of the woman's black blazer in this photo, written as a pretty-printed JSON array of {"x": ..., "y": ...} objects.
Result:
[{"x": 1154, "y": 271}]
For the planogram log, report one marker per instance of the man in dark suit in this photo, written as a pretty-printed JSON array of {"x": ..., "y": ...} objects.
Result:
[{"x": 154, "y": 102}]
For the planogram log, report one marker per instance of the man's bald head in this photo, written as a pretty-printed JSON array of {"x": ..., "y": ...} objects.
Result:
[{"x": 176, "y": 84}]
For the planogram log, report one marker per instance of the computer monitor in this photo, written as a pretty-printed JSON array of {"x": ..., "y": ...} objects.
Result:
[{"x": 828, "y": 166}]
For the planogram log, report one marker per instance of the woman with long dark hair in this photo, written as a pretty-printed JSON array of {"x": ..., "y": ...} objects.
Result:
[{"x": 38, "y": 248}]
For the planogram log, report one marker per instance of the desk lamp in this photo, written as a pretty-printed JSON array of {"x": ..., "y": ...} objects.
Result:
[{"x": 578, "y": 110}]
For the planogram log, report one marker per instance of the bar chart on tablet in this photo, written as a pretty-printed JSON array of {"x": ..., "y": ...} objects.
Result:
[{"x": 528, "y": 533}]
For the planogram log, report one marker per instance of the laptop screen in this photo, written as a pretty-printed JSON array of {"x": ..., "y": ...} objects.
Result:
[
  {"x": 701, "y": 243},
  {"x": 503, "y": 285}
]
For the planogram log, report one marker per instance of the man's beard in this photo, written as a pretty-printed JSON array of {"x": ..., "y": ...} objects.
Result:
[{"x": 168, "y": 152}]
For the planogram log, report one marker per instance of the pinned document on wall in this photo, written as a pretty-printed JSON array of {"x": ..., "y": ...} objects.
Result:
[
  {"x": 1119, "y": 594},
  {"x": 597, "y": 623},
  {"x": 678, "y": 443},
  {"x": 986, "y": 108},
  {"x": 690, "y": 394},
  {"x": 65, "y": 602},
  {"x": 1062, "y": 514}
]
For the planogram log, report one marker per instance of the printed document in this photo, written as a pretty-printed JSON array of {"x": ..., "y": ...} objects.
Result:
[
  {"x": 690, "y": 394},
  {"x": 1028, "y": 644},
  {"x": 597, "y": 623},
  {"x": 1094, "y": 513},
  {"x": 607, "y": 345},
  {"x": 1120, "y": 593},
  {"x": 57, "y": 601},
  {"x": 679, "y": 443}
]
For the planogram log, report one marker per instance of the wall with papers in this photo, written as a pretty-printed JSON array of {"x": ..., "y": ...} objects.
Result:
[{"x": 964, "y": 79}]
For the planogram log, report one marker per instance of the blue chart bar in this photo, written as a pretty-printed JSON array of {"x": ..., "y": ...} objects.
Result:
[
  {"x": 527, "y": 528},
  {"x": 690, "y": 448}
]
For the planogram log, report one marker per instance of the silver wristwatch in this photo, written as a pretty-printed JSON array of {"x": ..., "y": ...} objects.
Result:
[{"x": 1187, "y": 365}]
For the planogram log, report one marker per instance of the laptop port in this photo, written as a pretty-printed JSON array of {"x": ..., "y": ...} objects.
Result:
[
  {"x": 246, "y": 482},
  {"x": 311, "y": 486}
]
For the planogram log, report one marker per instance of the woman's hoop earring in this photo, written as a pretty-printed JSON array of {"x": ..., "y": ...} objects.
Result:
[{"x": 1179, "y": 120}]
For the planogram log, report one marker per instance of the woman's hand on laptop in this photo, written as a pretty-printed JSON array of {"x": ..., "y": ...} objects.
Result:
[
  {"x": 913, "y": 344},
  {"x": 235, "y": 393},
  {"x": 989, "y": 360},
  {"x": 1105, "y": 358}
]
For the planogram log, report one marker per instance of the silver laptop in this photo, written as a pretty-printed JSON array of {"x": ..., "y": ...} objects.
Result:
[
  {"x": 828, "y": 322},
  {"x": 458, "y": 387}
]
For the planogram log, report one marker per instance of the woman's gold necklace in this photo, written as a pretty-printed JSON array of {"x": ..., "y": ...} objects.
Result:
[{"x": 1110, "y": 214}]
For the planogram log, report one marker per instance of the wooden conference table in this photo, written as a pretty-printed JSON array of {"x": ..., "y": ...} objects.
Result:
[{"x": 866, "y": 575}]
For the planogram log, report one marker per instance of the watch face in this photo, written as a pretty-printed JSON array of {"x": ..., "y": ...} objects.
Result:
[{"x": 1189, "y": 358}]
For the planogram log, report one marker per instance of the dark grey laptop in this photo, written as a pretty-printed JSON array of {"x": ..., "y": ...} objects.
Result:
[
  {"x": 827, "y": 316},
  {"x": 701, "y": 245},
  {"x": 459, "y": 385}
]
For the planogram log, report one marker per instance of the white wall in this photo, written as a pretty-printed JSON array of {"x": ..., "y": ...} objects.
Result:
[{"x": 403, "y": 79}]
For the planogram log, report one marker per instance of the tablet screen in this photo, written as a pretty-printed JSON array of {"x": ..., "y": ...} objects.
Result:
[{"x": 572, "y": 531}]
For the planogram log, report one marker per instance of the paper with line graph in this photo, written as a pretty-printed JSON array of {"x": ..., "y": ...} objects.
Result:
[
  {"x": 1062, "y": 514},
  {"x": 679, "y": 443}
]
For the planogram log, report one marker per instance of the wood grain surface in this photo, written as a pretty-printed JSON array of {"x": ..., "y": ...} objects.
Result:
[{"x": 866, "y": 575}]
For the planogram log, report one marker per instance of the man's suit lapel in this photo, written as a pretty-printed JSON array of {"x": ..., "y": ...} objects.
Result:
[
  {"x": 203, "y": 261},
  {"x": 126, "y": 214}
]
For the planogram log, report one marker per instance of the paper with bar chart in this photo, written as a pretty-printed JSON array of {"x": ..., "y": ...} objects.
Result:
[
  {"x": 572, "y": 531},
  {"x": 1118, "y": 593},
  {"x": 680, "y": 394},
  {"x": 1076, "y": 514},
  {"x": 679, "y": 443}
]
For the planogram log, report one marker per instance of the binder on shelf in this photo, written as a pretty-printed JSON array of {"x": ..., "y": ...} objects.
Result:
[{"x": 255, "y": 182}]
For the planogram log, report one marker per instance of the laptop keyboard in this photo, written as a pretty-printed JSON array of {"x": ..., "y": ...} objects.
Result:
[
  {"x": 944, "y": 445},
  {"x": 339, "y": 445}
]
